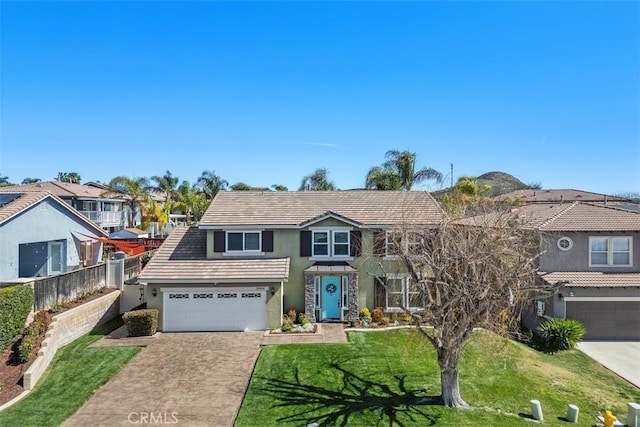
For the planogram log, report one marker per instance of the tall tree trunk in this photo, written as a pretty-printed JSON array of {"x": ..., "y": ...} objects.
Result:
[{"x": 448, "y": 361}]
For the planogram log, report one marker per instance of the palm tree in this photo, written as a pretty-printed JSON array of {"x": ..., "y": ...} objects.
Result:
[
  {"x": 211, "y": 184},
  {"x": 72, "y": 177},
  {"x": 31, "y": 180},
  {"x": 317, "y": 181},
  {"x": 192, "y": 201},
  {"x": 398, "y": 172},
  {"x": 4, "y": 181},
  {"x": 166, "y": 184},
  {"x": 135, "y": 189}
]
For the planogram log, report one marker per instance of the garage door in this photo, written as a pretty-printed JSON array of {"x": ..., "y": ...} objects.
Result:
[
  {"x": 607, "y": 320},
  {"x": 222, "y": 309}
]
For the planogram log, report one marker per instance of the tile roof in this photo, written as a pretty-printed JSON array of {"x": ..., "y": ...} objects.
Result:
[
  {"x": 64, "y": 190},
  {"x": 31, "y": 198},
  {"x": 578, "y": 216},
  {"x": 293, "y": 209},
  {"x": 182, "y": 259},
  {"x": 558, "y": 196},
  {"x": 593, "y": 279}
]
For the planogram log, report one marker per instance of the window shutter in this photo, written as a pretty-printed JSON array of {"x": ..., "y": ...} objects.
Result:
[
  {"x": 218, "y": 241},
  {"x": 356, "y": 243},
  {"x": 379, "y": 242},
  {"x": 267, "y": 241},
  {"x": 305, "y": 243},
  {"x": 380, "y": 293}
]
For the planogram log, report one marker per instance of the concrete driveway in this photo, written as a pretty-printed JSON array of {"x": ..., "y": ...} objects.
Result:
[
  {"x": 621, "y": 357},
  {"x": 186, "y": 379}
]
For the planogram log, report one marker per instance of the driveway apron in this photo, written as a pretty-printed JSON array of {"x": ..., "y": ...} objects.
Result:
[{"x": 181, "y": 379}]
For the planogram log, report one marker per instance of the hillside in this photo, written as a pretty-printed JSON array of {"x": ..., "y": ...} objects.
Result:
[{"x": 501, "y": 182}]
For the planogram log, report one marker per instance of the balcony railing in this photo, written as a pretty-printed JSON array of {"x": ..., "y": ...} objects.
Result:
[{"x": 106, "y": 218}]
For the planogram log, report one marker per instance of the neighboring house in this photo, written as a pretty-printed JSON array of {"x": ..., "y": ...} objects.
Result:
[
  {"x": 41, "y": 235},
  {"x": 108, "y": 211},
  {"x": 567, "y": 196},
  {"x": 129, "y": 233},
  {"x": 256, "y": 254},
  {"x": 593, "y": 251}
]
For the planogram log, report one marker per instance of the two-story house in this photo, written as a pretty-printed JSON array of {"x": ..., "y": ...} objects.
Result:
[
  {"x": 256, "y": 254},
  {"x": 593, "y": 252},
  {"x": 105, "y": 209}
]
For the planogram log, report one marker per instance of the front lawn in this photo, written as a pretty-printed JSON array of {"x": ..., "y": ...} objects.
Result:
[
  {"x": 379, "y": 378},
  {"x": 74, "y": 375}
]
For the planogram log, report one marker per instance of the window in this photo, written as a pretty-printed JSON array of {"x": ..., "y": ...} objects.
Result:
[
  {"x": 565, "y": 243},
  {"x": 610, "y": 251},
  {"x": 402, "y": 293},
  {"x": 331, "y": 243},
  {"x": 243, "y": 241},
  {"x": 410, "y": 243}
]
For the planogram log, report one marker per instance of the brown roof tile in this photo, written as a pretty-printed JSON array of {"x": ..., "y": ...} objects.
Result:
[
  {"x": 64, "y": 190},
  {"x": 578, "y": 217},
  {"x": 593, "y": 279},
  {"x": 557, "y": 196},
  {"x": 182, "y": 259},
  {"x": 295, "y": 208}
]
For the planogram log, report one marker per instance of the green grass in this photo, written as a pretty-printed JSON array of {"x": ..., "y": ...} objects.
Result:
[
  {"x": 75, "y": 374},
  {"x": 378, "y": 378}
]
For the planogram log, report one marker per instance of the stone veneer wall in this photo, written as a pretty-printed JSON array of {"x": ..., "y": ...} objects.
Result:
[
  {"x": 309, "y": 296},
  {"x": 67, "y": 327}
]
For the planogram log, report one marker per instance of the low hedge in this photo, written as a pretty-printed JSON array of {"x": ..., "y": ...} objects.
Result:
[
  {"x": 30, "y": 337},
  {"x": 16, "y": 303},
  {"x": 141, "y": 322}
]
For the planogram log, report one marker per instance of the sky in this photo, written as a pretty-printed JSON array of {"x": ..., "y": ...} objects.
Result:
[{"x": 267, "y": 92}]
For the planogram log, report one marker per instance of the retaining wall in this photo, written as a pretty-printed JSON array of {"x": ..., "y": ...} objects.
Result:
[{"x": 68, "y": 326}]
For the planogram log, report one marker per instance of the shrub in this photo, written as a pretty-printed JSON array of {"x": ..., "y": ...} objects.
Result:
[
  {"x": 31, "y": 334},
  {"x": 302, "y": 318},
  {"x": 406, "y": 318},
  {"x": 394, "y": 317},
  {"x": 385, "y": 321},
  {"x": 15, "y": 304},
  {"x": 286, "y": 327},
  {"x": 141, "y": 322},
  {"x": 365, "y": 315},
  {"x": 377, "y": 314},
  {"x": 561, "y": 334},
  {"x": 292, "y": 313}
]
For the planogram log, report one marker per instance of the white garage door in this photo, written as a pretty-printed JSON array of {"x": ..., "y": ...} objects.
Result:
[{"x": 222, "y": 309}]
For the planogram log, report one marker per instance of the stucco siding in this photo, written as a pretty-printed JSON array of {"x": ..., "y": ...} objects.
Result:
[
  {"x": 577, "y": 258},
  {"x": 43, "y": 222}
]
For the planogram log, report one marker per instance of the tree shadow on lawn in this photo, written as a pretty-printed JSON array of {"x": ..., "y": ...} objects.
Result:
[{"x": 328, "y": 406}]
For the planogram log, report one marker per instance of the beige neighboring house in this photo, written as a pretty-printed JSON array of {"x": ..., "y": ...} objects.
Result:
[
  {"x": 593, "y": 251},
  {"x": 106, "y": 210},
  {"x": 256, "y": 254}
]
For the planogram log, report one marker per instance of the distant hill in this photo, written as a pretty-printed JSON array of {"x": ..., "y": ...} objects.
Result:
[{"x": 501, "y": 183}]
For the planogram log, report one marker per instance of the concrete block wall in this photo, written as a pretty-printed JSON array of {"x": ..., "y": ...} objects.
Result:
[{"x": 68, "y": 326}]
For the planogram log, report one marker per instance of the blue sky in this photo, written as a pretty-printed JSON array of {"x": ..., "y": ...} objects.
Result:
[{"x": 267, "y": 92}]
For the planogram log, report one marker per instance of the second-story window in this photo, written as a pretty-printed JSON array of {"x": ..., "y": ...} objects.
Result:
[
  {"x": 610, "y": 251},
  {"x": 331, "y": 243},
  {"x": 243, "y": 241}
]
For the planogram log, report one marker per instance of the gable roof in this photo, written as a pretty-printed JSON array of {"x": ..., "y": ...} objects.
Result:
[
  {"x": 578, "y": 216},
  {"x": 558, "y": 196},
  {"x": 26, "y": 200},
  {"x": 295, "y": 209},
  {"x": 182, "y": 259},
  {"x": 66, "y": 190}
]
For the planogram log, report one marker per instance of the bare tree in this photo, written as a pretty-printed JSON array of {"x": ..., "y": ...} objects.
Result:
[{"x": 471, "y": 273}]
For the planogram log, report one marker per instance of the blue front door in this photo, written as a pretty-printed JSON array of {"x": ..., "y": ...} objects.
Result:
[{"x": 331, "y": 297}]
